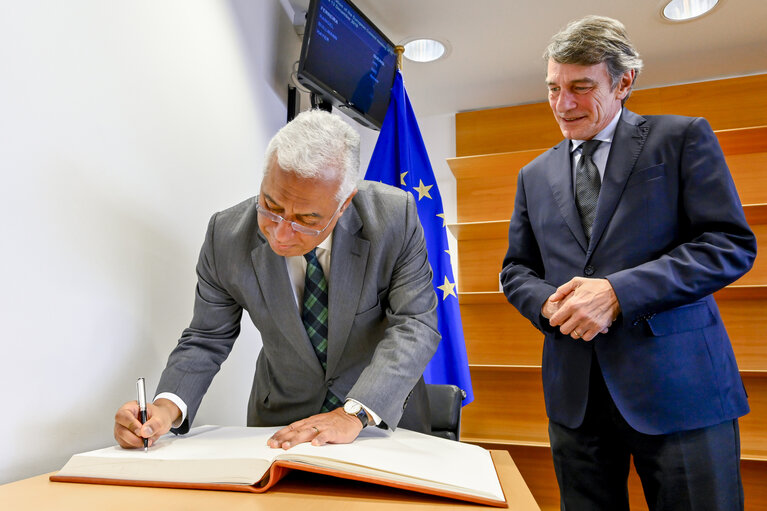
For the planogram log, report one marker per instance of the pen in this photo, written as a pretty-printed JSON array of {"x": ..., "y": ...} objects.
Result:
[{"x": 141, "y": 391}]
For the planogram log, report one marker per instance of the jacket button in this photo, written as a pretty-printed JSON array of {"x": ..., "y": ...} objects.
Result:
[{"x": 588, "y": 271}]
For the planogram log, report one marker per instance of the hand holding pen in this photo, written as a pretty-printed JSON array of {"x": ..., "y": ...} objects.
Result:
[
  {"x": 133, "y": 429},
  {"x": 141, "y": 393}
]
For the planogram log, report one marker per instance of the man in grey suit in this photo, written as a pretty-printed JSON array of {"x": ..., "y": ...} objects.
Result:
[
  {"x": 334, "y": 275},
  {"x": 619, "y": 237}
]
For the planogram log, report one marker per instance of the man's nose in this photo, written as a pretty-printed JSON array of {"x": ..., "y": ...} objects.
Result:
[
  {"x": 283, "y": 230},
  {"x": 565, "y": 101}
]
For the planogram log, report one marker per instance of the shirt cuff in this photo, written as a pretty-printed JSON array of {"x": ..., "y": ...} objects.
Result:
[
  {"x": 371, "y": 413},
  {"x": 176, "y": 401}
]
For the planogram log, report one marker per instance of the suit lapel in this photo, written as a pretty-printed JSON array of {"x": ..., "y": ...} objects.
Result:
[
  {"x": 629, "y": 138},
  {"x": 560, "y": 177},
  {"x": 272, "y": 275},
  {"x": 348, "y": 263}
]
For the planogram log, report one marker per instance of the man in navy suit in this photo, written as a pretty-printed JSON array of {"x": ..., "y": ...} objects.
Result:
[{"x": 615, "y": 259}]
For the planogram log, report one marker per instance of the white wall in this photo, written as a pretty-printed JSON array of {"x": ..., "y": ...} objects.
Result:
[{"x": 123, "y": 127}]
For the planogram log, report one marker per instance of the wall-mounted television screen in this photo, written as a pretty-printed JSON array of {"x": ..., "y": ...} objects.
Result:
[{"x": 347, "y": 61}]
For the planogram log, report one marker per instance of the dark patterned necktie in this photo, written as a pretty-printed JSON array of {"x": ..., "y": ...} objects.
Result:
[
  {"x": 587, "y": 184},
  {"x": 315, "y": 317}
]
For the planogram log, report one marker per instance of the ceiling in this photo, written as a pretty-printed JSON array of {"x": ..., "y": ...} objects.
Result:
[{"x": 496, "y": 45}]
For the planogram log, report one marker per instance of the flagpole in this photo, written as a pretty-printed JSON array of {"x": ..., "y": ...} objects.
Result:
[{"x": 399, "y": 50}]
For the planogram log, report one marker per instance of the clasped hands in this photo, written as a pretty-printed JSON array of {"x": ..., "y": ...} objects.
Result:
[
  {"x": 582, "y": 308},
  {"x": 335, "y": 427}
]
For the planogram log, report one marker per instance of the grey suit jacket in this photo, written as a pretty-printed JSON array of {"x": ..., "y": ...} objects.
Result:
[{"x": 382, "y": 321}]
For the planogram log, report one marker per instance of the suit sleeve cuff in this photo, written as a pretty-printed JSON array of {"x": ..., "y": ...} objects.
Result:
[
  {"x": 376, "y": 419},
  {"x": 176, "y": 401}
]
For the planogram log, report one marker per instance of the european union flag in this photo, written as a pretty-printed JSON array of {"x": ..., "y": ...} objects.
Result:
[{"x": 400, "y": 159}]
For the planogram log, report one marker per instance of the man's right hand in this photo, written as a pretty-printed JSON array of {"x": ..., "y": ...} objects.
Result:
[{"x": 130, "y": 433}]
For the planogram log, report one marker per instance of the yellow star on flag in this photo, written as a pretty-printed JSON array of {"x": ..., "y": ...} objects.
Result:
[
  {"x": 423, "y": 190},
  {"x": 402, "y": 178},
  {"x": 444, "y": 220},
  {"x": 447, "y": 289}
]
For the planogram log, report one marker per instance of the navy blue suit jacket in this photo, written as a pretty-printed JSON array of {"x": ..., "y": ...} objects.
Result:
[{"x": 669, "y": 231}]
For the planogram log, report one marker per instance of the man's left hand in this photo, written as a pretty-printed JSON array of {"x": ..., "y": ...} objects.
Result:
[
  {"x": 588, "y": 307},
  {"x": 336, "y": 427}
]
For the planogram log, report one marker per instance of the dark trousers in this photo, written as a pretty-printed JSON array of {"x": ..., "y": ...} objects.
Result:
[{"x": 688, "y": 470}]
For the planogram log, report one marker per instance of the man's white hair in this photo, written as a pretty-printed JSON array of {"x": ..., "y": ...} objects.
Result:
[{"x": 318, "y": 145}]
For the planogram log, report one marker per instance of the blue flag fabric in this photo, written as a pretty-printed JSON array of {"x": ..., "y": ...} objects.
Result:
[{"x": 400, "y": 159}]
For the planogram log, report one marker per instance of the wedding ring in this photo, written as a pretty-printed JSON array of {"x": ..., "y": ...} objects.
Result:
[
  {"x": 577, "y": 334},
  {"x": 317, "y": 431}
]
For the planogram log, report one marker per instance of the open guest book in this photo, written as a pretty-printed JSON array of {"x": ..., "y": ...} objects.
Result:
[{"x": 238, "y": 459}]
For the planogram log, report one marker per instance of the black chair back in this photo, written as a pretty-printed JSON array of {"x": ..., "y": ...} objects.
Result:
[{"x": 445, "y": 404}]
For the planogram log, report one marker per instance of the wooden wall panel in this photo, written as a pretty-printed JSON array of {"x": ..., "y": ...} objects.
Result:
[
  {"x": 480, "y": 263},
  {"x": 537, "y": 470},
  {"x": 499, "y": 130},
  {"x": 749, "y": 171},
  {"x": 746, "y": 323},
  {"x": 498, "y": 334},
  {"x": 726, "y": 104},
  {"x": 758, "y": 274},
  {"x": 753, "y": 427},
  {"x": 525, "y": 127},
  {"x": 489, "y": 195},
  {"x": 482, "y": 165},
  {"x": 751, "y": 139},
  {"x": 508, "y": 403},
  {"x": 487, "y": 198},
  {"x": 754, "y": 474}
]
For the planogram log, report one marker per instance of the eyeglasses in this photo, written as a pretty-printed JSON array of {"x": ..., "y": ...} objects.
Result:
[{"x": 301, "y": 229}]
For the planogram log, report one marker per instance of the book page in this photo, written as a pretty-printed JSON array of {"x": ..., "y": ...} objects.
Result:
[
  {"x": 207, "y": 454},
  {"x": 409, "y": 457}
]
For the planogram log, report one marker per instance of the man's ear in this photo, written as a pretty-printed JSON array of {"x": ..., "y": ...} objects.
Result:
[
  {"x": 348, "y": 201},
  {"x": 624, "y": 85}
]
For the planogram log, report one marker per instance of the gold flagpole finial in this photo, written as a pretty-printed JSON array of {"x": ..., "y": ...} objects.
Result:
[{"x": 399, "y": 50}]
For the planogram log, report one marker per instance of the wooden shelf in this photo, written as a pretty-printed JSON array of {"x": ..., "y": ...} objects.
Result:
[
  {"x": 743, "y": 140},
  {"x": 496, "y": 443},
  {"x": 755, "y": 213},
  {"x": 492, "y": 229},
  {"x": 536, "y": 368},
  {"x": 480, "y": 297},
  {"x": 740, "y": 292},
  {"x": 480, "y": 166},
  {"x": 480, "y": 230}
]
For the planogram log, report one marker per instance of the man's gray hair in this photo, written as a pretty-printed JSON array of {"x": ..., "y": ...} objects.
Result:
[
  {"x": 318, "y": 145},
  {"x": 593, "y": 40}
]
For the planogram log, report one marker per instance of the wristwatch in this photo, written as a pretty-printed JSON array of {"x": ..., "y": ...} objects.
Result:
[{"x": 355, "y": 409}]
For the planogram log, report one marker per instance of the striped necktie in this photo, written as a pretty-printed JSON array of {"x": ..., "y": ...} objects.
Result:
[
  {"x": 314, "y": 315},
  {"x": 587, "y": 185}
]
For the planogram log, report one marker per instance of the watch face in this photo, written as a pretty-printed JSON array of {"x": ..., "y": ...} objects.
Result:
[{"x": 352, "y": 408}]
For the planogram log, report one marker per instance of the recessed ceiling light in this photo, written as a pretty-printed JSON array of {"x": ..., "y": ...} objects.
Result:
[
  {"x": 424, "y": 50},
  {"x": 683, "y": 10}
]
